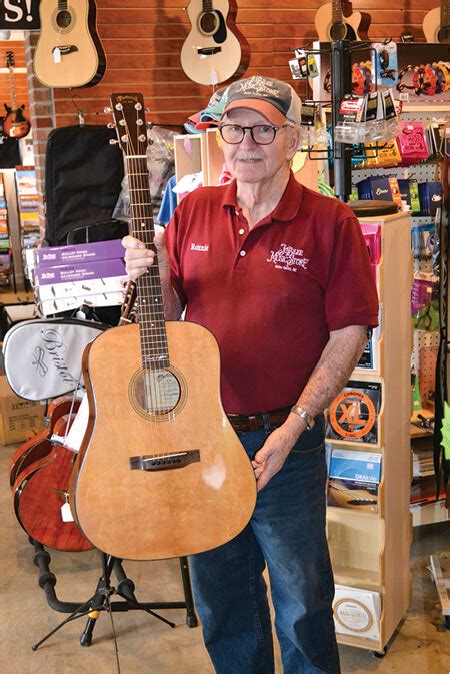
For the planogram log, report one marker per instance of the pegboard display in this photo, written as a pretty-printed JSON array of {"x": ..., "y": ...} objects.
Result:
[{"x": 426, "y": 341}]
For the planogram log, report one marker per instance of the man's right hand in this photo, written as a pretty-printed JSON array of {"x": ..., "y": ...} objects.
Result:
[{"x": 138, "y": 258}]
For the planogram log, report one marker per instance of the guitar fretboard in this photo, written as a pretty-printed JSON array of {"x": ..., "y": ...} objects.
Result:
[{"x": 154, "y": 347}]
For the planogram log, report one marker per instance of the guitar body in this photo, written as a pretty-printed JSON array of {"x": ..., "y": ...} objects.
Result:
[
  {"x": 215, "y": 50},
  {"x": 14, "y": 124},
  {"x": 432, "y": 28},
  {"x": 40, "y": 446},
  {"x": 38, "y": 496},
  {"x": 353, "y": 27},
  {"x": 80, "y": 61},
  {"x": 163, "y": 511}
]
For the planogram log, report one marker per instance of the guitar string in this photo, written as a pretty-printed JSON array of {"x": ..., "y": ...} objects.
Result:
[{"x": 152, "y": 315}]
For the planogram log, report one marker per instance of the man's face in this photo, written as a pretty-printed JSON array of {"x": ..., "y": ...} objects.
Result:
[{"x": 249, "y": 162}]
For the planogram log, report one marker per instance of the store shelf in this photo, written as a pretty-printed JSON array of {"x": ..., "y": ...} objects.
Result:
[{"x": 431, "y": 513}]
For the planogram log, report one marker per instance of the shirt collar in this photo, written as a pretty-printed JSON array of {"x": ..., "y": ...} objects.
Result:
[{"x": 286, "y": 209}]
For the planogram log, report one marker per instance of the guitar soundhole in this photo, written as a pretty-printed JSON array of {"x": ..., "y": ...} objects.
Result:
[
  {"x": 208, "y": 23},
  {"x": 157, "y": 393},
  {"x": 342, "y": 31},
  {"x": 64, "y": 19},
  {"x": 443, "y": 35}
]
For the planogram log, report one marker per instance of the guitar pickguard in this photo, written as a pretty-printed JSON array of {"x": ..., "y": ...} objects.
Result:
[{"x": 212, "y": 24}]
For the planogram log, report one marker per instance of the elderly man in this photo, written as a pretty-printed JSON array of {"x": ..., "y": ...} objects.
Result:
[{"x": 281, "y": 277}]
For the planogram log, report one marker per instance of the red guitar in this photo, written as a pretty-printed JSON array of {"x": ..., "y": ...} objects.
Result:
[
  {"x": 14, "y": 124},
  {"x": 40, "y": 446},
  {"x": 41, "y": 495}
]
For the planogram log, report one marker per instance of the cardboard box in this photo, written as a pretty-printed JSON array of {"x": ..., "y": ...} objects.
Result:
[
  {"x": 79, "y": 252},
  {"x": 19, "y": 419},
  {"x": 85, "y": 271}
]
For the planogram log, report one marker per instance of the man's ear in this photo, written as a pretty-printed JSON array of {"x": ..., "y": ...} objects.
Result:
[{"x": 294, "y": 141}]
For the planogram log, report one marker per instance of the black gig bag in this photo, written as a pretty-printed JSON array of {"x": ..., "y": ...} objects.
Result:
[{"x": 83, "y": 174}]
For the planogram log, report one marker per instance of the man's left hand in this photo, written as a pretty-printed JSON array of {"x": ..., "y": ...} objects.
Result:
[{"x": 272, "y": 455}]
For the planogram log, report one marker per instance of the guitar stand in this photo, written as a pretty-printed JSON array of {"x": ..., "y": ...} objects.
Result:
[{"x": 100, "y": 601}]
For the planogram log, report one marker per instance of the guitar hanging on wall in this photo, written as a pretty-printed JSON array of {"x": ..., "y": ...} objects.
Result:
[
  {"x": 436, "y": 24},
  {"x": 215, "y": 50},
  {"x": 14, "y": 123},
  {"x": 337, "y": 21},
  {"x": 69, "y": 52},
  {"x": 160, "y": 472}
]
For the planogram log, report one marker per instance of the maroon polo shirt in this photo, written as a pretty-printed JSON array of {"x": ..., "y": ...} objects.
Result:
[{"x": 270, "y": 295}]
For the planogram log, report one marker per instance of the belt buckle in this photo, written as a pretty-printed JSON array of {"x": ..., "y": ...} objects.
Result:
[{"x": 253, "y": 422}]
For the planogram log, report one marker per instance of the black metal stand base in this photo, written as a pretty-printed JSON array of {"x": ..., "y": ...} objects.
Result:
[{"x": 100, "y": 601}]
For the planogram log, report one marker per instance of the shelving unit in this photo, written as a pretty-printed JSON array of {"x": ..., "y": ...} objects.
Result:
[{"x": 370, "y": 550}]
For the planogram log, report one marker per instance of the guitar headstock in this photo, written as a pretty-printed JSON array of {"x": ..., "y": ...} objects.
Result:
[
  {"x": 129, "y": 116},
  {"x": 10, "y": 59}
]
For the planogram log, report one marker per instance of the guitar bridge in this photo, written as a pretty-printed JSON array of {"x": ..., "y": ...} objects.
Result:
[
  {"x": 164, "y": 461},
  {"x": 208, "y": 51},
  {"x": 66, "y": 49}
]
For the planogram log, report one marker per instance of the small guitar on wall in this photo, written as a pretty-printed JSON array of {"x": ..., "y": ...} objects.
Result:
[
  {"x": 14, "y": 123},
  {"x": 215, "y": 50},
  {"x": 337, "y": 21},
  {"x": 436, "y": 23},
  {"x": 69, "y": 52}
]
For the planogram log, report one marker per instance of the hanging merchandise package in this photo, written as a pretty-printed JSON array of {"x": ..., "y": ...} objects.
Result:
[{"x": 412, "y": 143}]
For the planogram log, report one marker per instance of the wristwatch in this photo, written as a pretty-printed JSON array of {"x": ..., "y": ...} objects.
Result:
[{"x": 304, "y": 415}]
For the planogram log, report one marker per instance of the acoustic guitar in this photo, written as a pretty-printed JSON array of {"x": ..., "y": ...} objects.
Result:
[
  {"x": 40, "y": 493},
  {"x": 160, "y": 472},
  {"x": 69, "y": 52},
  {"x": 14, "y": 123},
  {"x": 436, "y": 23},
  {"x": 337, "y": 21},
  {"x": 215, "y": 50},
  {"x": 40, "y": 446}
]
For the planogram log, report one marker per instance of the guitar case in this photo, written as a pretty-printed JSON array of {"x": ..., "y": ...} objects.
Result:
[
  {"x": 83, "y": 175},
  {"x": 42, "y": 357}
]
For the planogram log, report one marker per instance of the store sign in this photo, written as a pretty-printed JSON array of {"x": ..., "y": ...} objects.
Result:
[{"x": 19, "y": 15}]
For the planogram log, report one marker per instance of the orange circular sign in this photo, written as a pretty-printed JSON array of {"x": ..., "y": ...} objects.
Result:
[{"x": 352, "y": 414}]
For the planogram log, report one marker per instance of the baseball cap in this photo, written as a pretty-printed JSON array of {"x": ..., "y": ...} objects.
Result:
[{"x": 274, "y": 99}]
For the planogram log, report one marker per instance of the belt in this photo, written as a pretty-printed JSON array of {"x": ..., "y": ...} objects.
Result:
[{"x": 253, "y": 422}]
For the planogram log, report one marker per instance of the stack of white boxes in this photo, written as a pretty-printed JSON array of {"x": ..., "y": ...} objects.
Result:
[{"x": 66, "y": 277}]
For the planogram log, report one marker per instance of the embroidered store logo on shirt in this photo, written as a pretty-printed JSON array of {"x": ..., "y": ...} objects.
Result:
[
  {"x": 288, "y": 258},
  {"x": 201, "y": 247}
]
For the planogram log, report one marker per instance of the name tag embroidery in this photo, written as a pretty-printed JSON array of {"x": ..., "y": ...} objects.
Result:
[{"x": 200, "y": 247}]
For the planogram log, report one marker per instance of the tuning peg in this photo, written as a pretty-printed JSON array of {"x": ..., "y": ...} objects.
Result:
[
  {"x": 107, "y": 110},
  {"x": 111, "y": 125},
  {"x": 149, "y": 125},
  {"x": 142, "y": 138},
  {"x": 113, "y": 141}
]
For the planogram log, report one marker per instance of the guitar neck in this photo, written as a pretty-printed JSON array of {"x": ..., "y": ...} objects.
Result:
[
  {"x": 337, "y": 13},
  {"x": 445, "y": 13},
  {"x": 154, "y": 347},
  {"x": 207, "y": 6}
]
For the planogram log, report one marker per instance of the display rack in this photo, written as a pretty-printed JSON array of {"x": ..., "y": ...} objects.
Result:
[
  {"x": 6, "y": 261},
  {"x": 370, "y": 550}
]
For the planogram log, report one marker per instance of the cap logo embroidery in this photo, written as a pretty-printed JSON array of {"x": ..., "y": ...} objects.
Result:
[
  {"x": 257, "y": 85},
  {"x": 288, "y": 258}
]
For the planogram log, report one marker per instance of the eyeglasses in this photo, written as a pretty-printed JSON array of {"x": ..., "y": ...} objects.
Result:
[{"x": 261, "y": 134}]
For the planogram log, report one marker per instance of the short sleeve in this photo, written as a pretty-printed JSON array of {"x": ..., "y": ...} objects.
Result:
[
  {"x": 350, "y": 295},
  {"x": 171, "y": 239}
]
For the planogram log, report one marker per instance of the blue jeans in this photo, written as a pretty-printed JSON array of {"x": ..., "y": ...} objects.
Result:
[{"x": 286, "y": 532}]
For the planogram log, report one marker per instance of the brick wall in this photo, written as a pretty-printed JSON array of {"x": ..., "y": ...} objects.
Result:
[{"x": 142, "y": 40}]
